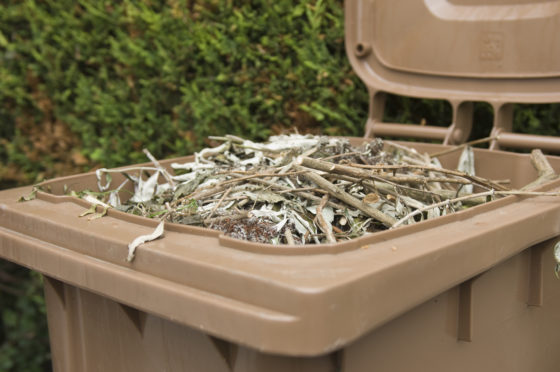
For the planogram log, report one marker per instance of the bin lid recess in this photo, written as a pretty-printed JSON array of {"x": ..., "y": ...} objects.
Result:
[{"x": 459, "y": 50}]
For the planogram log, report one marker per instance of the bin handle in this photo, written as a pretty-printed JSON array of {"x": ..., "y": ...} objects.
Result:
[
  {"x": 459, "y": 130},
  {"x": 457, "y": 133}
]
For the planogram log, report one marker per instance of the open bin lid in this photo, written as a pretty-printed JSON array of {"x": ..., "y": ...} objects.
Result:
[
  {"x": 498, "y": 51},
  {"x": 470, "y": 50}
]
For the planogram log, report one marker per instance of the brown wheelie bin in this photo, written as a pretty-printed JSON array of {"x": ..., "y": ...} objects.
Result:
[{"x": 471, "y": 291}]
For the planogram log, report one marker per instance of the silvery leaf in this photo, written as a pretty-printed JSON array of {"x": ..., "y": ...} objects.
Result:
[
  {"x": 200, "y": 157},
  {"x": 436, "y": 162},
  {"x": 264, "y": 212},
  {"x": 312, "y": 208},
  {"x": 302, "y": 226},
  {"x": 160, "y": 189},
  {"x": 99, "y": 174},
  {"x": 208, "y": 183},
  {"x": 265, "y": 196},
  {"x": 466, "y": 165},
  {"x": 280, "y": 224},
  {"x": 185, "y": 177},
  {"x": 433, "y": 213},
  {"x": 228, "y": 205},
  {"x": 158, "y": 232},
  {"x": 356, "y": 212},
  {"x": 145, "y": 190},
  {"x": 285, "y": 142},
  {"x": 328, "y": 214},
  {"x": 388, "y": 209},
  {"x": 400, "y": 208},
  {"x": 189, "y": 186},
  {"x": 256, "y": 160},
  {"x": 114, "y": 199},
  {"x": 93, "y": 200},
  {"x": 412, "y": 202},
  {"x": 191, "y": 166}
]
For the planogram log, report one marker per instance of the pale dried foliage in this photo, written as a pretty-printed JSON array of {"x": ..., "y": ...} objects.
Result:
[{"x": 300, "y": 189}]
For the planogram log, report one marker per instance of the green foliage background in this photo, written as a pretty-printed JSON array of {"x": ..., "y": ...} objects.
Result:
[{"x": 89, "y": 83}]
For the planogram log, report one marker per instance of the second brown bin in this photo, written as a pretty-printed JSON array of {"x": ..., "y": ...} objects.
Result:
[{"x": 475, "y": 290}]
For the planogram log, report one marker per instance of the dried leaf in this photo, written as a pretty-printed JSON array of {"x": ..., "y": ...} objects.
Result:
[
  {"x": 158, "y": 232},
  {"x": 99, "y": 215},
  {"x": 328, "y": 214},
  {"x": 256, "y": 160},
  {"x": 114, "y": 199},
  {"x": 92, "y": 209},
  {"x": 434, "y": 213},
  {"x": 266, "y": 211},
  {"x": 301, "y": 224},
  {"x": 371, "y": 198},
  {"x": 145, "y": 190},
  {"x": 94, "y": 201},
  {"x": 400, "y": 208},
  {"x": 265, "y": 196},
  {"x": 466, "y": 164},
  {"x": 192, "y": 166},
  {"x": 32, "y": 195},
  {"x": 99, "y": 174}
]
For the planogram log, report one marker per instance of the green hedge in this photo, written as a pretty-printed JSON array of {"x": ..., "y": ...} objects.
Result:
[
  {"x": 91, "y": 83},
  {"x": 100, "y": 80}
]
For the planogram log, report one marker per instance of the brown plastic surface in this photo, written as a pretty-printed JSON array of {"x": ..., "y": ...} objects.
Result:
[
  {"x": 498, "y": 51},
  {"x": 195, "y": 298}
]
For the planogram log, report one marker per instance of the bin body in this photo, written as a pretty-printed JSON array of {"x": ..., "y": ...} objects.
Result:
[{"x": 514, "y": 326}]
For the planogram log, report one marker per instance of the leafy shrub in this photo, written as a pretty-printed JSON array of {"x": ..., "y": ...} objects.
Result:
[
  {"x": 99, "y": 81},
  {"x": 24, "y": 344}
]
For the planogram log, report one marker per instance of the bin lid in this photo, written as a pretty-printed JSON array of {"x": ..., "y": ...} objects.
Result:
[{"x": 460, "y": 50}]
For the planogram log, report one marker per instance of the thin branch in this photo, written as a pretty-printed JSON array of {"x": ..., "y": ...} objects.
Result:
[
  {"x": 544, "y": 169},
  {"x": 289, "y": 236},
  {"x": 218, "y": 203},
  {"x": 440, "y": 204},
  {"x": 466, "y": 197},
  {"x": 349, "y": 199},
  {"x": 462, "y": 146},
  {"x": 475, "y": 179},
  {"x": 163, "y": 171},
  {"x": 322, "y": 222}
]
